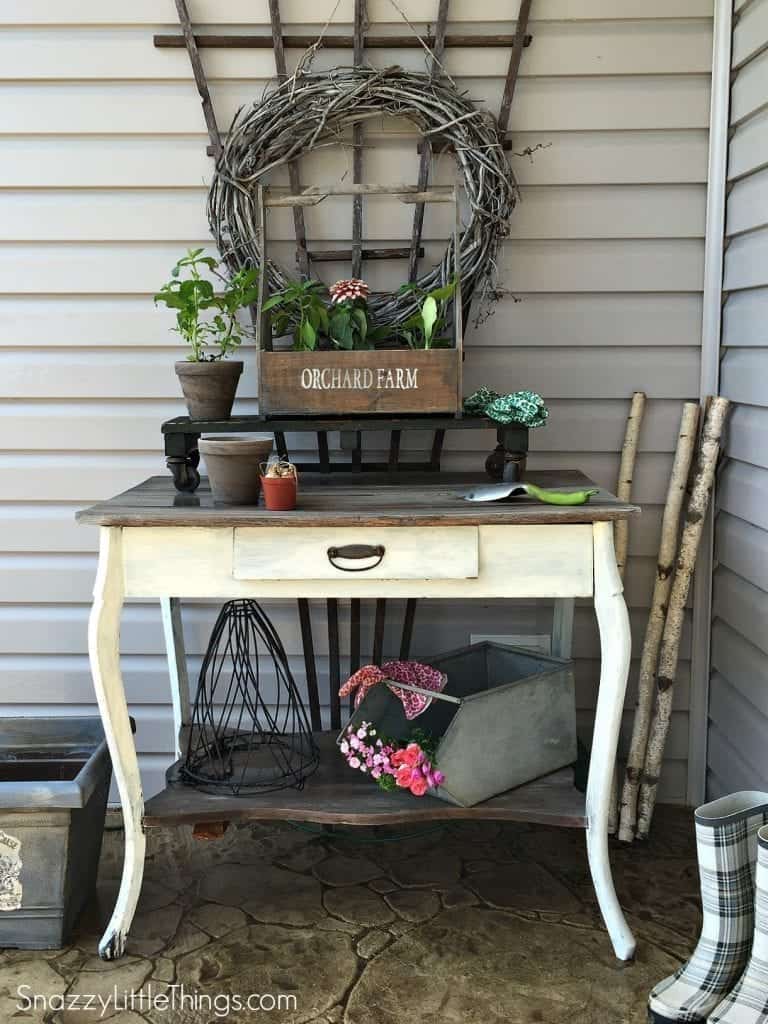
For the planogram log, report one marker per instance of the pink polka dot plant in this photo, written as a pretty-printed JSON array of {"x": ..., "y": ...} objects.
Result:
[{"x": 393, "y": 764}]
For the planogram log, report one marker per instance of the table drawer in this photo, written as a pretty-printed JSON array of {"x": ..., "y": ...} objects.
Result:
[{"x": 389, "y": 553}]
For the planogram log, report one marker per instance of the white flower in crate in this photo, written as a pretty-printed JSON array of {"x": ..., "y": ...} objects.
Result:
[{"x": 348, "y": 290}]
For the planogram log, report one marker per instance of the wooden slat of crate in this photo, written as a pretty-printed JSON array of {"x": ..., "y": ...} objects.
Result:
[{"x": 388, "y": 380}]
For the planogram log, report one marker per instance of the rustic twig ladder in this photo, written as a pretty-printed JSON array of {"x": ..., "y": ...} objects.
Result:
[{"x": 179, "y": 448}]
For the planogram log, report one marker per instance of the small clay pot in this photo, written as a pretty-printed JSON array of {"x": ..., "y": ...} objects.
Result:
[
  {"x": 279, "y": 493},
  {"x": 209, "y": 388},
  {"x": 233, "y": 467}
]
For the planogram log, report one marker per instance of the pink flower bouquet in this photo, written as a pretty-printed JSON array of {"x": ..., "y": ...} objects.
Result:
[{"x": 393, "y": 764}]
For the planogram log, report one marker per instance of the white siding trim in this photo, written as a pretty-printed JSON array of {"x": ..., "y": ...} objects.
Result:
[
  {"x": 710, "y": 385},
  {"x": 738, "y": 714}
]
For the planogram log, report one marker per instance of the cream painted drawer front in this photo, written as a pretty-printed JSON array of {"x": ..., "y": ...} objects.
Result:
[
  {"x": 515, "y": 561},
  {"x": 413, "y": 553}
]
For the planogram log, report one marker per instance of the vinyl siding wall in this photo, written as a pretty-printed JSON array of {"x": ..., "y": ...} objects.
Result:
[
  {"x": 103, "y": 182},
  {"x": 738, "y": 713}
]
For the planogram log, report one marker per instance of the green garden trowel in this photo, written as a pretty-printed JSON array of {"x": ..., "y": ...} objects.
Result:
[{"x": 507, "y": 491}]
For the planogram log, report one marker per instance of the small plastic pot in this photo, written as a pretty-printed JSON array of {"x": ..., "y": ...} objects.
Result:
[
  {"x": 233, "y": 467},
  {"x": 279, "y": 493}
]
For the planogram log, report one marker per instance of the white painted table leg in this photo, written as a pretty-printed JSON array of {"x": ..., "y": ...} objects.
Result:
[
  {"x": 615, "y": 642},
  {"x": 104, "y": 651},
  {"x": 170, "y": 609}
]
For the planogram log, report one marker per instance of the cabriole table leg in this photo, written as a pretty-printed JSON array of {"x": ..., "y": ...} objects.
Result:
[
  {"x": 173, "y": 631},
  {"x": 103, "y": 649},
  {"x": 615, "y": 645}
]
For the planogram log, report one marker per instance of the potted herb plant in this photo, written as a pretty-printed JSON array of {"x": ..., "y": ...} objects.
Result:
[{"x": 206, "y": 318}]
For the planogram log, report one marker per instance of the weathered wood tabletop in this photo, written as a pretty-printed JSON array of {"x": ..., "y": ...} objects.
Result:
[{"x": 361, "y": 499}]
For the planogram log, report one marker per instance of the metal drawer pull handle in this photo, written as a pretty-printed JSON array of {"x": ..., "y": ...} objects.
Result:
[{"x": 356, "y": 552}]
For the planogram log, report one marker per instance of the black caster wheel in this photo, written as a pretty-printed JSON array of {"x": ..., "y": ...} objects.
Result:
[
  {"x": 505, "y": 465},
  {"x": 185, "y": 476}
]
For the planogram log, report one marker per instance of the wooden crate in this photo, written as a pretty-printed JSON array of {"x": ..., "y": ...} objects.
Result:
[
  {"x": 383, "y": 381},
  {"x": 366, "y": 382}
]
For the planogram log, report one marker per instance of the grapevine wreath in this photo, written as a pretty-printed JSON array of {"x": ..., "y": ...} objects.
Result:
[{"x": 317, "y": 109}]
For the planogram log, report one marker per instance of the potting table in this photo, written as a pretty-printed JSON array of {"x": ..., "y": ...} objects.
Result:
[{"x": 157, "y": 543}]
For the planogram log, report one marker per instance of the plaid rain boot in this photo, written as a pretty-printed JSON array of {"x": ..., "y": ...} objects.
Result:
[
  {"x": 748, "y": 1002},
  {"x": 726, "y": 842}
]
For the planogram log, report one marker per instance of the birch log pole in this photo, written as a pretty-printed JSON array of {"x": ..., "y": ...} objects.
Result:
[
  {"x": 621, "y": 532},
  {"x": 681, "y": 467},
  {"x": 626, "y": 475},
  {"x": 670, "y": 642}
]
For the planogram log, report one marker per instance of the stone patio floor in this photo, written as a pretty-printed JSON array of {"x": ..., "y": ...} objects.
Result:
[{"x": 472, "y": 923}]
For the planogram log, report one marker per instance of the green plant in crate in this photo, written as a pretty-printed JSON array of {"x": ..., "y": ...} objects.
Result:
[
  {"x": 205, "y": 317},
  {"x": 350, "y": 327},
  {"x": 425, "y": 328},
  {"x": 299, "y": 309}
]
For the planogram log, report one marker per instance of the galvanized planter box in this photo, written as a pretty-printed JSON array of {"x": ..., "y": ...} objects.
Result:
[
  {"x": 55, "y": 775},
  {"x": 512, "y": 719}
]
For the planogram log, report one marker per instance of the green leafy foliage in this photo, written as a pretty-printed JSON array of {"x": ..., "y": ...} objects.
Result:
[
  {"x": 205, "y": 317},
  {"x": 425, "y": 328},
  {"x": 349, "y": 325},
  {"x": 426, "y": 741},
  {"x": 299, "y": 309}
]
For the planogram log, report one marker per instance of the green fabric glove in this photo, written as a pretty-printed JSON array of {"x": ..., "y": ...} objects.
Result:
[
  {"x": 523, "y": 407},
  {"x": 478, "y": 401}
]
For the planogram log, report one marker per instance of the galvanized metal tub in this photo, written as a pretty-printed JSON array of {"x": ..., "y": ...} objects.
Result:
[
  {"x": 507, "y": 716},
  {"x": 55, "y": 775}
]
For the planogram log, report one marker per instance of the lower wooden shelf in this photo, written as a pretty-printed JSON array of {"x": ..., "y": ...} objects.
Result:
[{"x": 337, "y": 795}]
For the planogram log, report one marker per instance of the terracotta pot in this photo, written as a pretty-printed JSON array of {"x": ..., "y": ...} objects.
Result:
[
  {"x": 233, "y": 467},
  {"x": 279, "y": 493},
  {"x": 209, "y": 388}
]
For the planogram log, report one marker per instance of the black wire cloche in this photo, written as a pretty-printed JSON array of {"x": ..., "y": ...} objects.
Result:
[{"x": 250, "y": 731}]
